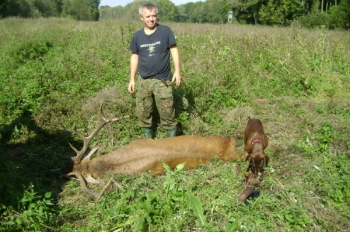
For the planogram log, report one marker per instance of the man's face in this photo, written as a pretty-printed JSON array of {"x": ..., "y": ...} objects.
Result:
[{"x": 149, "y": 17}]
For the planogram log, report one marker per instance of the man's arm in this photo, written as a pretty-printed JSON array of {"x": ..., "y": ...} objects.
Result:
[
  {"x": 134, "y": 61},
  {"x": 176, "y": 59}
]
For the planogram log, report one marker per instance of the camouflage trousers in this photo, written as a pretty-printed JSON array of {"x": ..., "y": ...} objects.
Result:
[{"x": 149, "y": 89}]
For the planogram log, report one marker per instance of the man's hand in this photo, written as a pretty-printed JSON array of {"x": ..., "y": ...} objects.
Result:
[
  {"x": 131, "y": 87},
  {"x": 176, "y": 79},
  {"x": 176, "y": 59}
]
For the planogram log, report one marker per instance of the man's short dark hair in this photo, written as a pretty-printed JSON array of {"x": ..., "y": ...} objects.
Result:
[{"x": 148, "y": 6}]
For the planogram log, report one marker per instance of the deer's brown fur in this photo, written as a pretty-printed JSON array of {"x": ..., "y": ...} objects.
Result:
[{"x": 147, "y": 155}]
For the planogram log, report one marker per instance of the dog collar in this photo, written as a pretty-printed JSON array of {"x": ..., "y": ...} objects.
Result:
[{"x": 255, "y": 141}]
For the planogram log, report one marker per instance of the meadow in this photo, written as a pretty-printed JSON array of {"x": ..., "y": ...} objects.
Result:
[{"x": 57, "y": 72}]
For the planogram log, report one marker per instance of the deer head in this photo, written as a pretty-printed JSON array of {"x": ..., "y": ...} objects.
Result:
[{"x": 78, "y": 165}]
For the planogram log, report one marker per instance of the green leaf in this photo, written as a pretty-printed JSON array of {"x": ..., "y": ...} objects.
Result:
[
  {"x": 48, "y": 194},
  {"x": 139, "y": 222},
  {"x": 166, "y": 167},
  {"x": 179, "y": 167},
  {"x": 289, "y": 217},
  {"x": 196, "y": 206}
]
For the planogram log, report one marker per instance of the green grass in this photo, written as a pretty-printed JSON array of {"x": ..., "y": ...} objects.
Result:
[{"x": 57, "y": 72}]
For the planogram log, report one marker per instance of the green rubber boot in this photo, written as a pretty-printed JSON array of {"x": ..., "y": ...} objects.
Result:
[
  {"x": 172, "y": 133},
  {"x": 147, "y": 132}
]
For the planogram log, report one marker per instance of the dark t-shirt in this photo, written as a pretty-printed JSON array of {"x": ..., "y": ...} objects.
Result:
[{"x": 154, "y": 52}]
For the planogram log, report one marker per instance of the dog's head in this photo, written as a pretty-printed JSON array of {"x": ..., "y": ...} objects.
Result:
[{"x": 257, "y": 164}]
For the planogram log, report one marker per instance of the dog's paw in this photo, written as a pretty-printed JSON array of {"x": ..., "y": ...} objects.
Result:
[{"x": 250, "y": 179}]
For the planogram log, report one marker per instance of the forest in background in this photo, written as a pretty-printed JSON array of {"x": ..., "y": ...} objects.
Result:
[
  {"x": 332, "y": 14},
  {"x": 77, "y": 9}
]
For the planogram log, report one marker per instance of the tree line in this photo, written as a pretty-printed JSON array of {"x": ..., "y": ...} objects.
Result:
[
  {"x": 307, "y": 13},
  {"x": 77, "y": 9}
]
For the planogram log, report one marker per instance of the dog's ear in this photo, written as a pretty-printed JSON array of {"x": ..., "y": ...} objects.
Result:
[
  {"x": 266, "y": 161},
  {"x": 247, "y": 158}
]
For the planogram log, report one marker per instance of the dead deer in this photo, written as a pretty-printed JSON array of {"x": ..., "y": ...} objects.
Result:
[{"x": 147, "y": 155}]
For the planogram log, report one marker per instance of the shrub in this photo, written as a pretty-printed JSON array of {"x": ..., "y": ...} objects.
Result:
[{"x": 315, "y": 20}]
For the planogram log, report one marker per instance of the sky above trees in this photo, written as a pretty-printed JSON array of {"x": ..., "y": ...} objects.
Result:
[{"x": 113, "y": 3}]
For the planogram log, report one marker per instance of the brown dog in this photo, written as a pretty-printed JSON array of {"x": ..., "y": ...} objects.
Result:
[{"x": 255, "y": 142}]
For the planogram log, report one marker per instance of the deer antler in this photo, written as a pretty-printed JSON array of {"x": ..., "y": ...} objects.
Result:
[
  {"x": 87, "y": 140},
  {"x": 84, "y": 188},
  {"x": 80, "y": 153}
]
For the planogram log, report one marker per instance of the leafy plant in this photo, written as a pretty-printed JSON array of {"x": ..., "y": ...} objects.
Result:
[
  {"x": 31, "y": 50},
  {"x": 32, "y": 213},
  {"x": 325, "y": 136}
]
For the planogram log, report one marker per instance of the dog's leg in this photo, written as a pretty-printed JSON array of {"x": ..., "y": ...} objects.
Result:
[{"x": 245, "y": 155}]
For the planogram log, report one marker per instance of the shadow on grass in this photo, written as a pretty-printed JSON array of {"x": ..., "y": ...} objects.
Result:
[{"x": 28, "y": 157}]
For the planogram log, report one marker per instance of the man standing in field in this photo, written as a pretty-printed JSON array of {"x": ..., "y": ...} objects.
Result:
[{"x": 151, "y": 48}]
